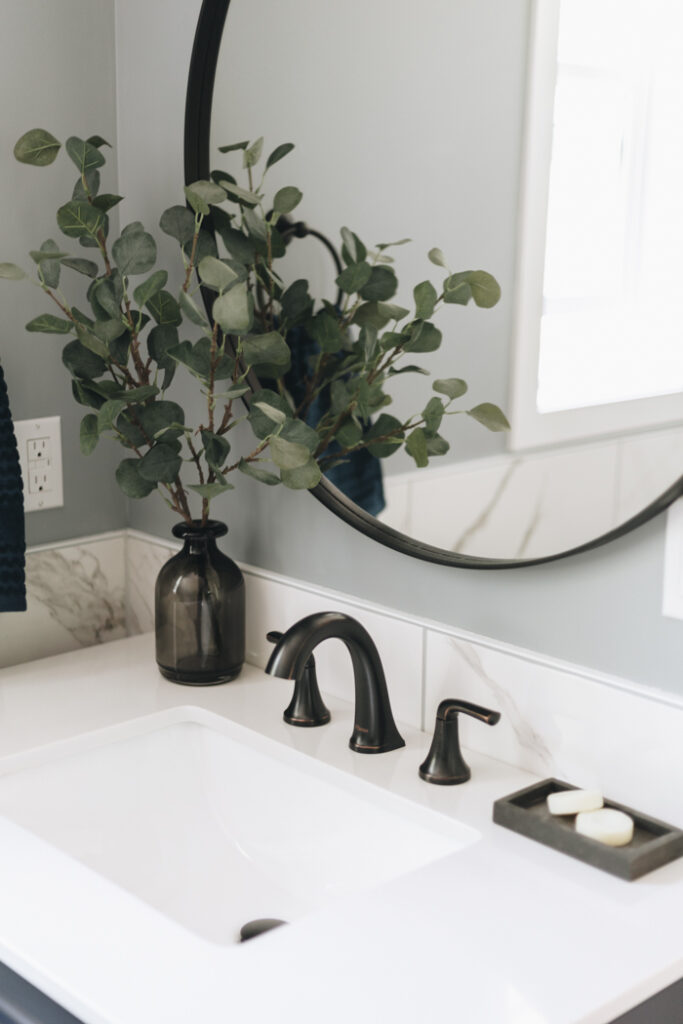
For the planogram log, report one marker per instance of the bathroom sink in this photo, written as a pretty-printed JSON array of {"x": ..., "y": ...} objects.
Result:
[{"x": 213, "y": 824}]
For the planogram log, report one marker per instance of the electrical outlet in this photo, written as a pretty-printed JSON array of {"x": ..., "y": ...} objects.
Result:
[
  {"x": 40, "y": 455},
  {"x": 673, "y": 562}
]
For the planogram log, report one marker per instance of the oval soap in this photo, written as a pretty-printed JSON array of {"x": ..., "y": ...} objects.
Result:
[
  {"x": 571, "y": 801},
  {"x": 609, "y": 826}
]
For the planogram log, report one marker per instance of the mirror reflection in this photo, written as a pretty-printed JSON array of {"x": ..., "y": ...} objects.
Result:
[{"x": 438, "y": 127}]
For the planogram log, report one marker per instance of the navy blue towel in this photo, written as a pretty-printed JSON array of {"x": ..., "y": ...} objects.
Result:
[{"x": 12, "y": 540}]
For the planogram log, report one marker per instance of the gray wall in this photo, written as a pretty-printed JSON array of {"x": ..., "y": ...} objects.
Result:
[
  {"x": 57, "y": 71},
  {"x": 601, "y": 609}
]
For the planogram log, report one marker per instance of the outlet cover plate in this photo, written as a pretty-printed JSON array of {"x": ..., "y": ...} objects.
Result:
[{"x": 40, "y": 454}]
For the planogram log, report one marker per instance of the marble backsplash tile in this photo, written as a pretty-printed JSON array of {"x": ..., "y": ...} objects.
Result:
[{"x": 75, "y": 598}]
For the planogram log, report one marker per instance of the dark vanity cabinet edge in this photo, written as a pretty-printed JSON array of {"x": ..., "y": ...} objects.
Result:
[
  {"x": 664, "y": 1008},
  {"x": 22, "y": 1003}
]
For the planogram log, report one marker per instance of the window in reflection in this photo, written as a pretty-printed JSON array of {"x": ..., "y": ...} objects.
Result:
[{"x": 611, "y": 323}]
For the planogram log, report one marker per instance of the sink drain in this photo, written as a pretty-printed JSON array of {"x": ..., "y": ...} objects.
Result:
[{"x": 262, "y": 924}]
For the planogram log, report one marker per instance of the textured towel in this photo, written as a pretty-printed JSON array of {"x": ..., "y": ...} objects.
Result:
[{"x": 12, "y": 542}]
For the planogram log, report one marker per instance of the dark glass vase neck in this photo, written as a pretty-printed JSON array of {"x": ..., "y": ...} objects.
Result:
[{"x": 211, "y": 528}]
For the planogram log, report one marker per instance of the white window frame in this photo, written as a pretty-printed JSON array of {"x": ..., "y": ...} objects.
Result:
[{"x": 531, "y": 429}]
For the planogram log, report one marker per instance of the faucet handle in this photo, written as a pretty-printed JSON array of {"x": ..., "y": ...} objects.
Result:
[
  {"x": 444, "y": 764},
  {"x": 306, "y": 707}
]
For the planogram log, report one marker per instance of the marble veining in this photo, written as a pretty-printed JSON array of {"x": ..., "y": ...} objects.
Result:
[{"x": 144, "y": 558}]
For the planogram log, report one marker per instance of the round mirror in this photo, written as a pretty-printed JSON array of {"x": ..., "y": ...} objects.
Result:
[{"x": 529, "y": 140}]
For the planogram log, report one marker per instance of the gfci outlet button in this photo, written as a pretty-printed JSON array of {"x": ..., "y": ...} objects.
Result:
[{"x": 40, "y": 453}]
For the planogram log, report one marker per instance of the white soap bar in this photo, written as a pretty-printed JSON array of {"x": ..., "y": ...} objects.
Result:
[
  {"x": 609, "y": 826},
  {"x": 571, "y": 801}
]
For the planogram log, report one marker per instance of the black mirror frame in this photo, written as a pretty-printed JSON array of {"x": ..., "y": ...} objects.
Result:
[{"x": 198, "y": 109}]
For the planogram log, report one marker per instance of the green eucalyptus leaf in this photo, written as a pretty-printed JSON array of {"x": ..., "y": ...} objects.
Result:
[
  {"x": 130, "y": 433},
  {"x": 353, "y": 250},
  {"x": 252, "y": 155},
  {"x": 432, "y": 414},
  {"x": 149, "y": 288},
  {"x": 216, "y": 449},
  {"x": 472, "y": 284},
  {"x": 233, "y": 392},
  {"x": 436, "y": 257},
  {"x": 160, "y": 417},
  {"x": 179, "y": 223},
  {"x": 47, "y": 323},
  {"x": 437, "y": 445},
  {"x": 256, "y": 225},
  {"x": 325, "y": 330},
  {"x": 161, "y": 464},
  {"x": 350, "y": 434},
  {"x": 216, "y": 274},
  {"x": 107, "y": 201},
  {"x": 109, "y": 413},
  {"x": 268, "y": 348},
  {"x": 108, "y": 330},
  {"x": 130, "y": 479},
  {"x": 370, "y": 315},
  {"x": 89, "y": 433},
  {"x": 262, "y": 475},
  {"x": 276, "y": 415},
  {"x": 302, "y": 477},
  {"x": 423, "y": 337},
  {"x": 81, "y": 266},
  {"x": 232, "y": 311},
  {"x": 191, "y": 310},
  {"x": 87, "y": 186},
  {"x": 37, "y": 147},
  {"x": 202, "y": 195},
  {"x": 354, "y": 277},
  {"x": 286, "y": 199},
  {"x": 210, "y": 491},
  {"x": 233, "y": 146},
  {"x": 300, "y": 433},
  {"x": 392, "y": 311},
  {"x": 159, "y": 341},
  {"x": 425, "y": 300},
  {"x": 384, "y": 424},
  {"x": 109, "y": 294},
  {"x": 368, "y": 342},
  {"x": 84, "y": 155},
  {"x": 91, "y": 341},
  {"x": 165, "y": 309},
  {"x": 48, "y": 258},
  {"x": 78, "y": 219},
  {"x": 278, "y": 153},
  {"x": 416, "y": 445},
  {"x": 490, "y": 416},
  {"x": 135, "y": 252},
  {"x": 261, "y": 423},
  {"x": 453, "y": 387},
  {"x": 85, "y": 394},
  {"x": 296, "y": 303},
  {"x": 11, "y": 272},
  {"x": 196, "y": 360},
  {"x": 242, "y": 195},
  {"x": 393, "y": 372},
  {"x": 392, "y": 245},
  {"x": 81, "y": 362},
  {"x": 381, "y": 286},
  {"x": 97, "y": 140}
]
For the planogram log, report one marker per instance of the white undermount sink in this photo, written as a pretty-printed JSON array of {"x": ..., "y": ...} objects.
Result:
[{"x": 215, "y": 825}]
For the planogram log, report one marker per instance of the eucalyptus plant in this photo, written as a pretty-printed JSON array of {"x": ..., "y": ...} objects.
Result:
[{"x": 124, "y": 353}]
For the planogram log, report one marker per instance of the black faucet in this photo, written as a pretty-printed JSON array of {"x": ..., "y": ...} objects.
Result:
[{"x": 374, "y": 730}]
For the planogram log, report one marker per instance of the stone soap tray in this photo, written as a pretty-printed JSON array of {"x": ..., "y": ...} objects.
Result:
[{"x": 654, "y": 843}]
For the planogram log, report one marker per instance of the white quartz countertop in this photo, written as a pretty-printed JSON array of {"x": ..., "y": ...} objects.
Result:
[{"x": 504, "y": 931}]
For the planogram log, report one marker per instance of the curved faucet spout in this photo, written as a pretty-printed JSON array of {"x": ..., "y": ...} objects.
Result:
[{"x": 374, "y": 730}]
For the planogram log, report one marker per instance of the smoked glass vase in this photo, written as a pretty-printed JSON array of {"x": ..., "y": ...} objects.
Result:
[{"x": 199, "y": 610}]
